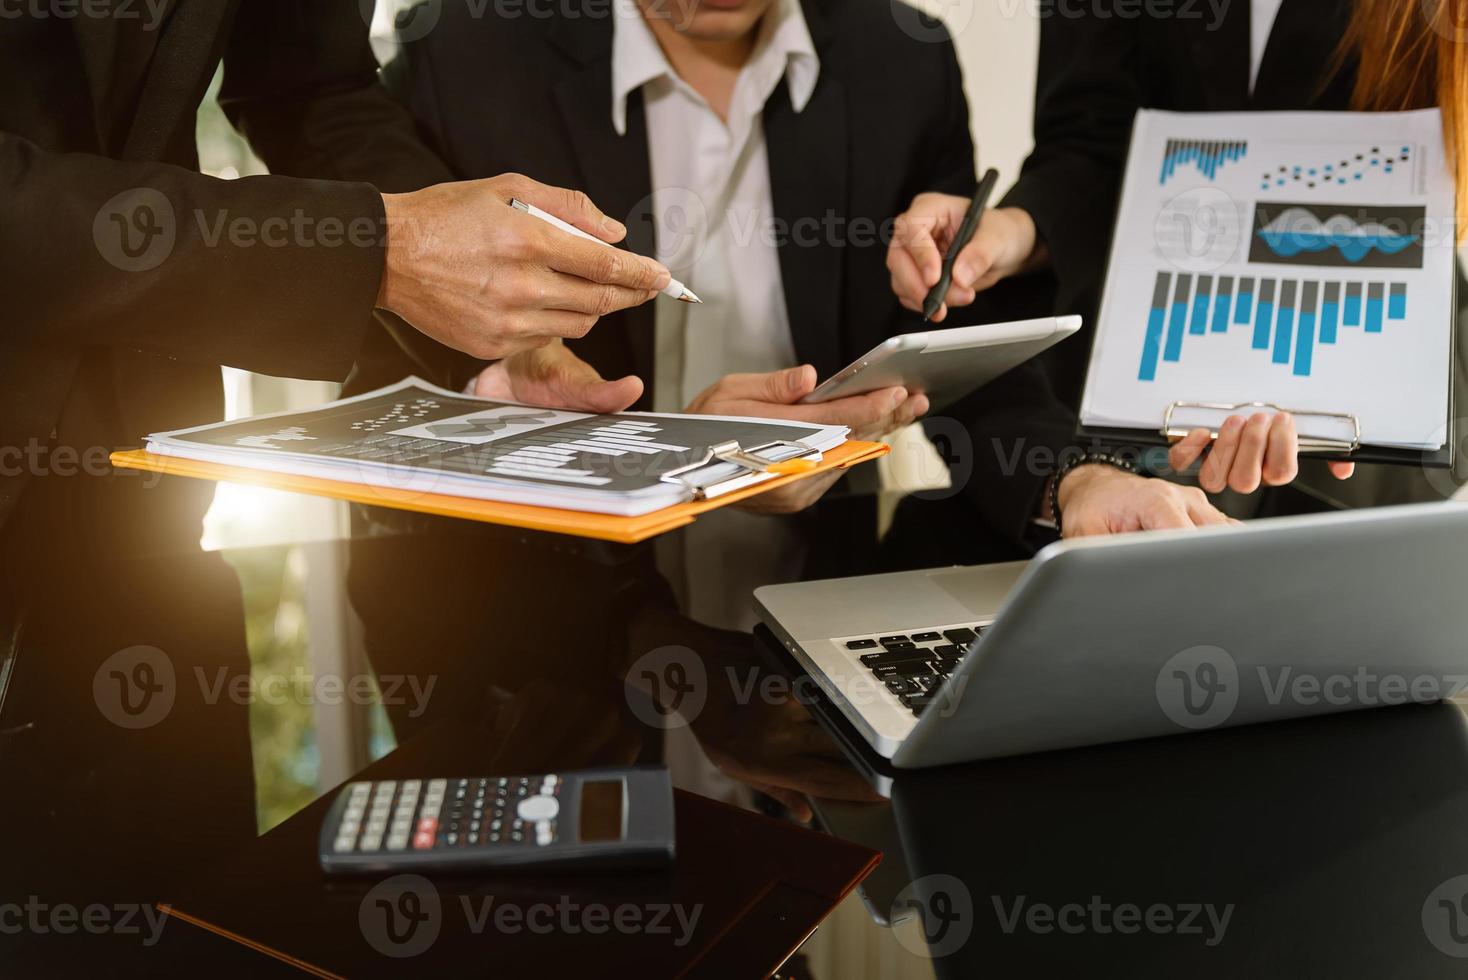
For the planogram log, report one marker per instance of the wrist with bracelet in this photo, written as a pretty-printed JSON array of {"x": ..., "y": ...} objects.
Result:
[{"x": 1074, "y": 463}]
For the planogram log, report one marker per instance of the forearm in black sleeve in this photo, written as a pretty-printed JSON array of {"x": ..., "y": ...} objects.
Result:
[
  {"x": 301, "y": 82},
  {"x": 953, "y": 163},
  {"x": 1086, "y": 96},
  {"x": 159, "y": 258}
]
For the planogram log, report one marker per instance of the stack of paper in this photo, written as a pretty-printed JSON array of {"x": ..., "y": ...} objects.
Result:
[
  {"x": 1302, "y": 259},
  {"x": 417, "y": 437}
]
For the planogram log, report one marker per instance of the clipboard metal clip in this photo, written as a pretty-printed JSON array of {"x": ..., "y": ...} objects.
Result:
[
  {"x": 748, "y": 461},
  {"x": 1317, "y": 444}
]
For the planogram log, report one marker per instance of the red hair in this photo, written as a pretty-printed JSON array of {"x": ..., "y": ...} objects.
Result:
[{"x": 1413, "y": 54}]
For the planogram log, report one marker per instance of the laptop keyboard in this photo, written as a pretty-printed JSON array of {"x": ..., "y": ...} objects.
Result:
[{"x": 914, "y": 665}]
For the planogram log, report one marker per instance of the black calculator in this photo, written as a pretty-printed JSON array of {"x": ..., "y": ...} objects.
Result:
[{"x": 593, "y": 818}]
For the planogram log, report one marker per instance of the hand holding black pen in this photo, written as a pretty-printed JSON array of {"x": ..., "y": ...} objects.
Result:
[{"x": 966, "y": 229}]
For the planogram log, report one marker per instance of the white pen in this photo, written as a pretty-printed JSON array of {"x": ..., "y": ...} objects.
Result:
[{"x": 675, "y": 289}]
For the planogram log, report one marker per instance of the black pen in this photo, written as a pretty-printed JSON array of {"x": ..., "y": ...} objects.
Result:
[{"x": 965, "y": 235}]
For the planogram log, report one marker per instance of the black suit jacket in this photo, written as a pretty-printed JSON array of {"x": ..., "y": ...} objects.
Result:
[
  {"x": 93, "y": 355},
  {"x": 1099, "y": 64},
  {"x": 887, "y": 120}
]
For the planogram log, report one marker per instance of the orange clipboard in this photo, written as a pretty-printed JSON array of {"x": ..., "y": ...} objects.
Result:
[{"x": 603, "y": 527}]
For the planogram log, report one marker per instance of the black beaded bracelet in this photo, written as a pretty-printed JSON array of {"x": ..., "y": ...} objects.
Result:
[{"x": 1105, "y": 459}]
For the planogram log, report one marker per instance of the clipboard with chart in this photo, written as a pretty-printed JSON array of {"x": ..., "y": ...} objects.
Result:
[
  {"x": 412, "y": 446},
  {"x": 1282, "y": 261}
]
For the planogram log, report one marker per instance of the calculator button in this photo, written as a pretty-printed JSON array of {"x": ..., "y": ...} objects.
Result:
[
  {"x": 397, "y": 842},
  {"x": 411, "y": 785},
  {"x": 538, "y": 808},
  {"x": 422, "y": 841},
  {"x": 371, "y": 843},
  {"x": 359, "y": 791},
  {"x": 345, "y": 842},
  {"x": 438, "y": 786},
  {"x": 428, "y": 825}
]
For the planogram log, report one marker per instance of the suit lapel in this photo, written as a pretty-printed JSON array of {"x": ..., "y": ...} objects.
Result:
[
  {"x": 1219, "y": 56},
  {"x": 808, "y": 182},
  {"x": 1295, "y": 70},
  {"x": 143, "y": 74},
  {"x": 179, "y": 75},
  {"x": 615, "y": 170},
  {"x": 115, "y": 55}
]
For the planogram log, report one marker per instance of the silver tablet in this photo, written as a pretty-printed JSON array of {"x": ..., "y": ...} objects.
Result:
[{"x": 946, "y": 364}]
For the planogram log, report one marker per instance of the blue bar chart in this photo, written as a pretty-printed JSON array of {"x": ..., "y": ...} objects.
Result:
[
  {"x": 1206, "y": 156},
  {"x": 1286, "y": 319},
  {"x": 1305, "y": 259}
]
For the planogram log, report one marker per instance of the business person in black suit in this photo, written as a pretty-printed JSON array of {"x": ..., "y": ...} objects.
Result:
[
  {"x": 129, "y": 277},
  {"x": 759, "y": 148},
  {"x": 1096, "y": 69},
  {"x": 865, "y": 110}
]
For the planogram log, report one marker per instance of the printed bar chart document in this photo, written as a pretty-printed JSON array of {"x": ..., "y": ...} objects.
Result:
[
  {"x": 1304, "y": 260},
  {"x": 417, "y": 437}
]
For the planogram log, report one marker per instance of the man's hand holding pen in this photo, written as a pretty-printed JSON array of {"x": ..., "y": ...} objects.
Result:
[{"x": 491, "y": 280}]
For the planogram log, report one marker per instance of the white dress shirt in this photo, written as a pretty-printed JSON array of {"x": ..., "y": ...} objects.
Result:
[{"x": 716, "y": 231}]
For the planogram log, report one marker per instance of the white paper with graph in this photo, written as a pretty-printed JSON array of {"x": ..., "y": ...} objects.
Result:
[
  {"x": 1300, "y": 259},
  {"x": 418, "y": 437}
]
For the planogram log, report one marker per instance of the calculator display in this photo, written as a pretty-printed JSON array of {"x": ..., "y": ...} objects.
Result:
[{"x": 601, "y": 810}]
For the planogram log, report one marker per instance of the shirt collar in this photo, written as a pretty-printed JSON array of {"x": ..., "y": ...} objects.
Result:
[{"x": 637, "y": 59}]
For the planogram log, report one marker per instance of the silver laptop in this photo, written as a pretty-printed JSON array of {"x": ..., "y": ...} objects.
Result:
[{"x": 1141, "y": 635}]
